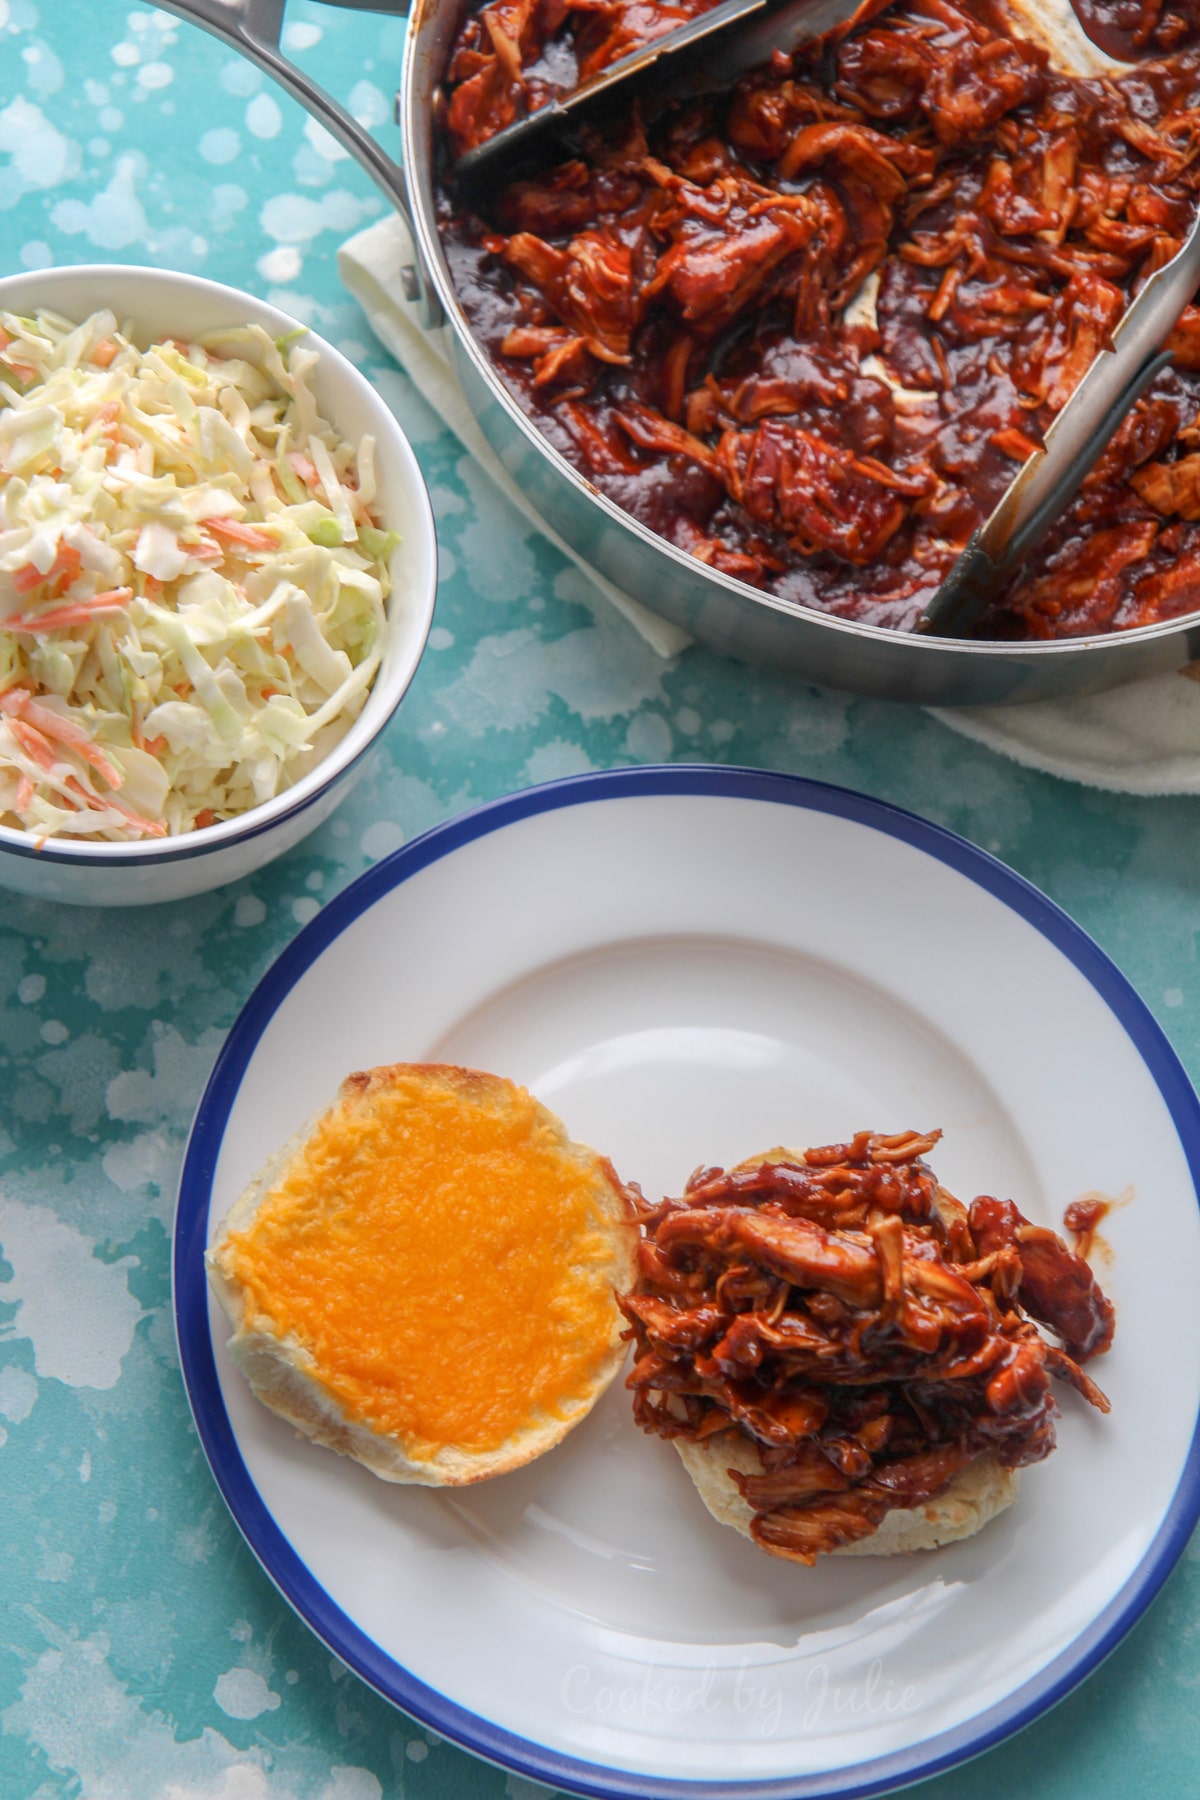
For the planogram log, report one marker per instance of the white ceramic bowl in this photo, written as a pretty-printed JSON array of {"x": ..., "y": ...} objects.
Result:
[{"x": 163, "y": 304}]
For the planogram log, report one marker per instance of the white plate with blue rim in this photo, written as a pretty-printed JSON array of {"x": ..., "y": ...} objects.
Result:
[{"x": 688, "y": 965}]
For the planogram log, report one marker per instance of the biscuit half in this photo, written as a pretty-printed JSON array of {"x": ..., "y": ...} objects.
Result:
[
  {"x": 423, "y": 1277},
  {"x": 976, "y": 1494}
]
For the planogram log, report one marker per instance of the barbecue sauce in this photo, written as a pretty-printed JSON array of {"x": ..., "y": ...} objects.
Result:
[{"x": 808, "y": 330}]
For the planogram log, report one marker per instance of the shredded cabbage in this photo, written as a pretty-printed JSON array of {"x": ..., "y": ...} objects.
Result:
[{"x": 192, "y": 581}]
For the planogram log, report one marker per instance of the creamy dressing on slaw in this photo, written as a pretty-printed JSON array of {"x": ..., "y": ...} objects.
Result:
[{"x": 192, "y": 582}]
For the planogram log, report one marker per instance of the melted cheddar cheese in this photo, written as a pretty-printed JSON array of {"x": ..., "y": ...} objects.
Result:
[{"x": 441, "y": 1251}]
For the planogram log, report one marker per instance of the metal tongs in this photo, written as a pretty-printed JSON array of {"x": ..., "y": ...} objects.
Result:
[
  {"x": 710, "y": 50},
  {"x": 739, "y": 35},
  {"x": 1051, "y": 478}
]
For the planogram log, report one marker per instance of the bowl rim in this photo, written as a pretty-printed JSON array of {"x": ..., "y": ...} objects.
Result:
[{"x": 346, "y": 754}]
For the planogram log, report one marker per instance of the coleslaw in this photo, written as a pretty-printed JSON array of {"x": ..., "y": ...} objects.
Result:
[{"x": 192, "y": 580}]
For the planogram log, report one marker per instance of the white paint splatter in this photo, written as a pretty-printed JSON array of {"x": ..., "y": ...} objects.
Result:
[
  {"x": 688, "y": 720},
  {"x": 369, "y": 104},
  {"x": 551, "y": 762},
  {"x": 263, "y": 117},
  {"x": 302, "y": 307},
  {"x": 284, "y": 263},
  {"x": 416, "y": 1751},
  {"x": 1173, "y": 997},
  {"x": 648, "y": 737},
  {"x": 55, "y": 1565},
  {"x": 36, "y": 254},
  {"x": 600, "y": 672},
  {"x": 171, "y": 1092},
  {"x": 441, "y": 639},
  {"x": 155, "y": 75},
  {"x": 228, "y": 199},
  {"x": 113, "y": 218},
  {"x": 40, "y": 156},
  {"x": 242, "y": 78},
  {"x": 54, "y": 1032},
  {"x": 295, "y": 219},
  {"x": 243, "y": 1694},
  {"x": 305, "y": 909},
  {"x": 301, "y": 37},
  {"x": 324, "y": 142},
  {"x": 81, "y": 1071},
  {"x": 44, "y": 72},
  {"x": 85, "y": 1467},
  {"x": 221, "y": 145},
  {"x": 148, "y": 1162},
  {"x": 76, "y": 1311},
  {"x": 112, "y": 119},
  {"x": 250, "y": 910},
  {"x": 381, "y": 838},
  {"x": 126, "y": 55},
  {"x": 18, "y": 1393},
  {"x": 30, "y": 988},
  {"x": 89, "y": 1727},
  {"x": 351, "y": 1784},
  {"x": 494, "y": 540}
]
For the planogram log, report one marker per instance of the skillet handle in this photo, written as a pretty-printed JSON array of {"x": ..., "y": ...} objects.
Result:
[{"x": 253, "y": 27}]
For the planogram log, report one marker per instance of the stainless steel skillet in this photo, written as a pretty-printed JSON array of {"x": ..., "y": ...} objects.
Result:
[{"x": 729, "y": 615}]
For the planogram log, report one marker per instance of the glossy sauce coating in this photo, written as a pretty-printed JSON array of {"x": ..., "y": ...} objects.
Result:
[
  {"x": 1128, "y": 29},
  {"x": 810, "y": 329},
  {"x": 1083, "y": 1219},
  {"x": 865, "y": 1331}
]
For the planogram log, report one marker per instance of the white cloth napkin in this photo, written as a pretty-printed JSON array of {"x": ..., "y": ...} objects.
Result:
[{"x": 1139, "y": 739}]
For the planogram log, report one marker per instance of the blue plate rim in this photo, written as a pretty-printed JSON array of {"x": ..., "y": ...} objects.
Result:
[{"x": 287, "y": 1570}]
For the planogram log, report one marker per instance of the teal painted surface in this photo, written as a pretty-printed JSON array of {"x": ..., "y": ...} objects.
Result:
[{"x": 142, "y": 1653}]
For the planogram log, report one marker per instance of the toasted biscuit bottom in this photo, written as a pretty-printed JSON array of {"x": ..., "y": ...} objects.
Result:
[{"x": 982, "y": 1490}]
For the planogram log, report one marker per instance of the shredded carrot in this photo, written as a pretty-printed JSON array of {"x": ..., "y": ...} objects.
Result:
[
  {"x": 33, "y": 743},
  {"x": 153, "y": 827},
  {"x": 205, "y": 817},
  {"x": 22, "y": 708},
  {"x": 62, "y": 571},
  {"x": 236, "y": 533},
  {"x": 24, "y": 794},
  {"x": 79, "y": 612},
  {"x": 104, "y": 352}
]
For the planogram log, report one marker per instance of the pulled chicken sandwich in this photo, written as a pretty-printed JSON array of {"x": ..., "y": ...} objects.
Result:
[{"x": 848, "y": 1357}]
